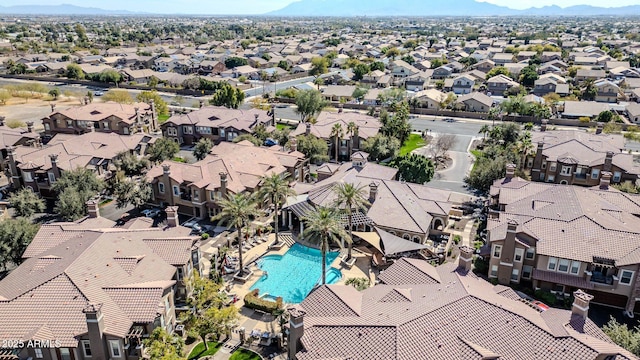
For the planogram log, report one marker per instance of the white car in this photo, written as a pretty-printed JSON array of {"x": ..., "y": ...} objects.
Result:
[
  {"x": 151, "y": 213},
  {"x": 193, "y": 224}
]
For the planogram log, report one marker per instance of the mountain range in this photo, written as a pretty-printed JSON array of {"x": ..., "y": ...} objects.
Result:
[
  {"x": 348, "y": 8},
  {"x": 63, "y": 9},
  {"x": 436, "y": 8}
]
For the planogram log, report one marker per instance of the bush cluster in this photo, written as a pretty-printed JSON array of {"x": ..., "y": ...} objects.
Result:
[{"x": 252, "y": 301}]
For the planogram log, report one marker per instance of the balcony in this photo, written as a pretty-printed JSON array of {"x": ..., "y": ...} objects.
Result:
[{"x": 601, "y": 278}]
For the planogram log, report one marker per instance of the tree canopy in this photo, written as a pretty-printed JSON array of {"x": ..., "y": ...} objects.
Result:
[
  {"x": 163, "y": 149},
  {"x": 15, "y": 236},
  {"x": 309, "y": 103},
  {"x": 314, "y": 148},
  {"x": 74, "y": 189},
  {"x": 25, "y": 202},
  {"x": 414, "y": 168},
  {"x": 228, "y": 96},
  {"x": 119, "y": 96},
  {"x": 202, "y": 148},
  {"x": 161, "y": 105}
]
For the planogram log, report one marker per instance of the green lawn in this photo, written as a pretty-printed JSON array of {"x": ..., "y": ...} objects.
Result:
[
  {"x": 162, "y": 118},
  {"x": 198, "y": 350},
  {"x": 283, "y": 126},
  {"x": 413, "y": 142},
  {"x": 478, "y": 154},
  {"x": 243, "y": 354}
]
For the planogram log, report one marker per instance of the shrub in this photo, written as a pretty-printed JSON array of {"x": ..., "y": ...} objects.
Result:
[
  {"x": 545, "y": 296},
  {"x": 456, "y": 239},
  {"x": 16, "y": 124},
  {"x": 480, "y": 266},
  {"x": 252, "y": 301},
  {"x": 584, "y": 119},
  {"x": 204, "y": 236}
]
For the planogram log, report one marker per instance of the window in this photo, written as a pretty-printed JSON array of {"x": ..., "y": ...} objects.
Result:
[
  {"x": 203, "y": 129},
  {"x": 187, "y": 129},
  {"x": 27, "y": 176},
  {"x": 171, "y": 131},
  {"x": 530, "y": 162},
  {"x": 566, "y": 171},
  {"x": 563, "y": 265},
  {"x": 221, "y": 132},
  {"x": 497, "y": 251},
  {"x": 161, "y": 187},
  {"x": 526, "y": 271},
  {"x": 52, "y": 177},
  {"x": 552, "y": 264},
  {"x": 558, "y": 288},
  {"x": 518, "y": 255},
  {"x": 494, "y": 271},
  {"x": 38, "y": 353},
  {"x": 196, "y": 195},
  {"x": 167, "y": 304},
  {"x": 616, "y": 176},
  {"x": 515, "y": 275},
  {"x": 626, "y": 277},
  {"x": 114, "y": 345},
  {"x": 179, "y": 274},
  {"x": 530, "y": 254},
  {"x": 552, "y": 167},
  {"x": 551, "y": 178},
  {"x": 595, "y": 173},
  {"x": 86, "y": 348},
  {"x": 125, "y": 130},
  {"x": 575, "y": 267},
  {"x": 212, "y": 195},
  {"x": 176, "y": 190},
  {"x": 544, "y": 165},
  {"x": 47, "y": 127},
  {"x": 69, "y": 123}
]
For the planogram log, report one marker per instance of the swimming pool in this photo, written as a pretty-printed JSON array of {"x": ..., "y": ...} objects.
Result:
[{"x": 294, "y": 274}]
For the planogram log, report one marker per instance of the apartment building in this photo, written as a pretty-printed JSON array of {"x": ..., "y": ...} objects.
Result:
[
  {"x": 122, "y": 119},
  {"x": 217, "y": 123},
  {"x": 39, "y": 167},
  {"x": 88, "y": 290},
  {"x": 197, "y": 188},
  {"x": 579, "y": 158},
  {"x": 418, "y": 311},
  {"x": 563, "y": 238}
]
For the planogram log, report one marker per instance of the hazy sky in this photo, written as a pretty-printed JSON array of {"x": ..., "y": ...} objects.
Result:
[{"x": 262, "y": 6}]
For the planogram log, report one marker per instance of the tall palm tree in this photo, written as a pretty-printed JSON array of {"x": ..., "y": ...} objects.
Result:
[
  {"x": 351, "y": 198},
  {"x": 276, "y": 189},
  {"x": 237, "y": 209},
  {"x": 351, "y": 130},
  {"x": 337, "y": 133},
  {"x": 323, "y": 226},
  {"x": 525, "y": 147}
]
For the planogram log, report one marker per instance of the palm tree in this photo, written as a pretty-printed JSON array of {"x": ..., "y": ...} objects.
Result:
[
  {"x": 352, "y": 198},
  {"x": 276, "y": 189},
  {"x": 484, "y": 130},
  {"x": 351, "y": 130},
  {"x": 525, "y": 147},
  {"x": 323, "y": 226},
  {"x": 337, "y": 132},
  {"x": 237, "y": 209}
]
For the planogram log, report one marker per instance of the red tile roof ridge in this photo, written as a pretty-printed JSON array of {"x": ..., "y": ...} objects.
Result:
[{"x": 160, "y": 284}]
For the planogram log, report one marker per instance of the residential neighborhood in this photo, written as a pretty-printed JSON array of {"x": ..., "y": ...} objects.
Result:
[{"x": 274, "y": 187}]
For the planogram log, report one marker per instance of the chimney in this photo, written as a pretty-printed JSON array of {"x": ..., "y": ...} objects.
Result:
[
  {"x": 273, "y": 115},
  {"x": 137, "y": 110},
  {"x": 543, "y": 125},
  {"x": 373, "y": 192},
  {"x": 466, "y": 258},
  {"x": 223, "y": 184},
  {"x": 308, "y": 129},
  {"x": 30, "y": 126},
  {"x": 296, "y": 330},
  {"x": 166, "y": 180},
  {"x": 172, "y": 216},
  {"x": 508, "y": 249},
  {"x": 511, "y": 170},
  {"x": 605, "y": 180},
  {"x": 293, "y": 144},
  {"x": 15, "y": 177},
  {"x": 95, "y": 331},
  {"x": 581, "y": 302},
  {"x": 607, "y": 161},
  {"x": 92, "y": 209},
  {"x": 54, "y": 165},
  {"x": 599, "y": 128}
]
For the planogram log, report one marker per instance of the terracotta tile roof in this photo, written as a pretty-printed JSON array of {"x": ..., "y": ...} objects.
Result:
[
  {"x": 97, "y": 111},
  {"x": 221, "y": 117},
  {"x": 368, "y": 126},
  {"x": 69, "y": 266},
  {"x": 172, "y": 251},
  {"x": 460, "y": 316}
]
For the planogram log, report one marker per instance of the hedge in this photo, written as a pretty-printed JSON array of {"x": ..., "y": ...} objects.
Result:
[{"x": 252, "y": 301}]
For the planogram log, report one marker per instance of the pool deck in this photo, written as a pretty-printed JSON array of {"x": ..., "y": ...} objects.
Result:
[{"x": 251, "y": 319}]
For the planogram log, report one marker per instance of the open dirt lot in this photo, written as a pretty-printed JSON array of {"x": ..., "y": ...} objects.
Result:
[{"x": 34, "y": 110}]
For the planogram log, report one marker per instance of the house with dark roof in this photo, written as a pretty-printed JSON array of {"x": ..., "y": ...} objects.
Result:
[
  {"x": 576, "y": 157},
  {"x": 91, "y": 290},
  {"x": 562, "y": 238},
  {"x": 419, "y": 311}
]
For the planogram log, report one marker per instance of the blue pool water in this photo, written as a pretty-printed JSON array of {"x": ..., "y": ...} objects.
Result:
[{"x": 294, "y": 274}]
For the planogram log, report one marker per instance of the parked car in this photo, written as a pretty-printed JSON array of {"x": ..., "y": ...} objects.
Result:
[
  {"x": 449, "y": 120},
  {"x": 193, "y": 224},
  {"x": 98, "y": 93},
  {"x": 151, "y": 213}
]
